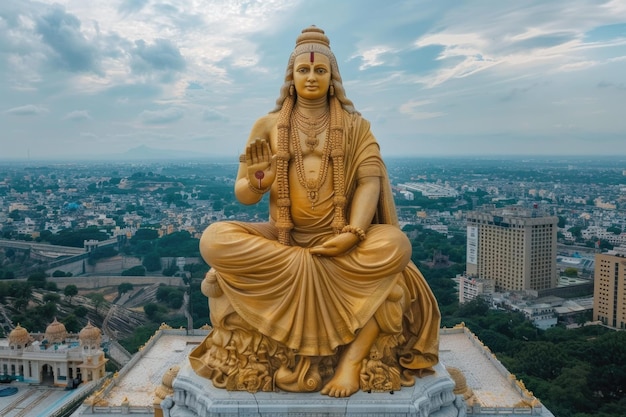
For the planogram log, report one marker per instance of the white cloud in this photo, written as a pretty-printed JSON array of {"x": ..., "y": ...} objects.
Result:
[
  {"x": 575, "y": 66},
  {"x": 27, "y": 110},
  {"x": 545, "y": 36},
  {"x": 211, "y": 115},
  {"x": 475, "y": 69},
  {"x": 77, "y": 116},
  {"x": 160, "y": 117},
  {"x": 411, "y": 109},
  {"x": 372, "y": 57}
]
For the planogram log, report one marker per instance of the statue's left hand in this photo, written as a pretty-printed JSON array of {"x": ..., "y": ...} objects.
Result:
[{"x": 336, "y": 246}]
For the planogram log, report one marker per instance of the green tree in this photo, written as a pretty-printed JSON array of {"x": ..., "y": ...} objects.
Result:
[
  {"x": 135, "y": 271},
  {"x": 176, "y": 299},
  {"x": 37, "y": 279},
  {"x": 140, "y": 337},
  {"x": 163, "y": 292},
  {"x": 144, "y": 234},
  {"x": 170, "y": 270},
  {"x": 607, "y": 356},
  {"x": 172, "y": 296},
  {"x": 474, "y": 308},
  {"x": 70, "y": 291},
  {"x": 496, "y": 341},
  {"x": 102, "y": 253},
  {"x": 576, "y": 231},
  {"x": 616, "y": 230},
  {"x": 97, "y": 299},
  {"x": 47, "y": 311},
  {"x": 143, "y": 247},
  {"x": 72, "y": 324},
  {"x": 152, "y": 262},
  {"x": 150, "y": 309},
  {"x": 199, "y": 305},
  {"x": 153, "y": 311},
  {"x": 81, "y": 311},
  {"x": 20, "y": 290},
  {"x": 178, "y": 244},
  {"x": 540, "y": 359},
  {"x": 197, "y": 270},
  {"x": 21, "y": 303},
  {"x": 76, "y": 238},
  {"x": 51, "y": 297},
  {"x": 571, "y": 272},
  {"x": 570, "y": 392},
  {"x": 218, "y": 205},
  {"x": 605, "y": 244},
  {"x": 124, "y": 287}
]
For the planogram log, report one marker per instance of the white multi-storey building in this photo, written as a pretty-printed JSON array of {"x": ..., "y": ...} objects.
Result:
[{"x": 470, "y": 288}]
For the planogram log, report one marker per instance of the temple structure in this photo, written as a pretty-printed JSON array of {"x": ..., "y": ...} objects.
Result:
[{"x": 54, "y": 358}]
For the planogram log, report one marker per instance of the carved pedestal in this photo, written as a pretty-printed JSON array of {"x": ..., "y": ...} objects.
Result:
[{"x": 431, "y": 396}]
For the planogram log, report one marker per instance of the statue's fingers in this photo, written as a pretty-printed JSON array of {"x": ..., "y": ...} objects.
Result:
[
  {"x": 249, "y": 155},
  {"x": 254, "y": 150},
  {"x": 266, "y": 151},
  {"x": 273, "y": 163}
]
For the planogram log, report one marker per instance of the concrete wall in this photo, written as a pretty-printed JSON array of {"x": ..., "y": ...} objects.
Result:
[{"x": 99, "y": 281}]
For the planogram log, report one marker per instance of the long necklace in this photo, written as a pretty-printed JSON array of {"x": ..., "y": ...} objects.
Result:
[
  {"x": 311, "y": 185},
  {"x": 311, "y": 128}
]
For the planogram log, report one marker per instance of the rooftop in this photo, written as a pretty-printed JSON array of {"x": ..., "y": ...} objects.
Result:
[
  {"x": 495, "y": 389},
  {"x": 141, "y": 380},
  {"x": 493, "y": 385}
]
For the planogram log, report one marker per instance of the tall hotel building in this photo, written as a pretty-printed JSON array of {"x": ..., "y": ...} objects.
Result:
[
  {"x": 515, "y": 247},
  {"x": 609, "y": 290}
]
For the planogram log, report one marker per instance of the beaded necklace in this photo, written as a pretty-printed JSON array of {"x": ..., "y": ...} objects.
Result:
[
  {"x": 311, "y": 128},
  {"x": 311, "y": 185},
  {"x": 334, "y": 143}
]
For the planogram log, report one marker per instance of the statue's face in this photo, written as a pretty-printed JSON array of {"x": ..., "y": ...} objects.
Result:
[{"x": 311, "y": 75}]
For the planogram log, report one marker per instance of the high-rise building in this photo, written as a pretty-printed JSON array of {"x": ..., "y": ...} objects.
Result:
[
  {"x": 609, "y": 290},
  {"x": 514, "y": 246}
]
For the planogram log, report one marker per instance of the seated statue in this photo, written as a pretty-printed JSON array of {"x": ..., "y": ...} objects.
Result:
[{"x": 299, "y": 302}]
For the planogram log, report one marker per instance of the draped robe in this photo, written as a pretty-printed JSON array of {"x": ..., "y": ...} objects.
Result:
[{"x": 315, "y": 304}]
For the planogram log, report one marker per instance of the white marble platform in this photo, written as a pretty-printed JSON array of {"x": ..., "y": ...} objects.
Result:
[{"x": 431, "y": 396}]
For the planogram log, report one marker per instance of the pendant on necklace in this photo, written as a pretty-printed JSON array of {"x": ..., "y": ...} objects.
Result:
[
  {"x": 313, "y": 196},
  {"x": 312, "y": 141}
]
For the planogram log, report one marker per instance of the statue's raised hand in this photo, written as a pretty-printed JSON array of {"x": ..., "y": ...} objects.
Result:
[{"x": 261, "y": 164}]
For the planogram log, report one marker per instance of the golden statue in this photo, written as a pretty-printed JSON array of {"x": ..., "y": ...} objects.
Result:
[{"x": 298, "y": 303}]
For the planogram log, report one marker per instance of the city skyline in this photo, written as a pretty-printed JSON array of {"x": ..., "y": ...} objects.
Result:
[{"x": 491, "y": 78}]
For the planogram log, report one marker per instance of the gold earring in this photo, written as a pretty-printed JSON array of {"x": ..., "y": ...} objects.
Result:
[
  {"x": 291, "y": 88},
  {"x": 331, "y": 90}
]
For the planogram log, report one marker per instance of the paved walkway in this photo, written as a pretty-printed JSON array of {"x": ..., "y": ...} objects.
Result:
[{"x": 33, "y": 401}]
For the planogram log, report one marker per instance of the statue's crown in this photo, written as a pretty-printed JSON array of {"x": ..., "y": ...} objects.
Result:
[{"x": 312, "y": 34}]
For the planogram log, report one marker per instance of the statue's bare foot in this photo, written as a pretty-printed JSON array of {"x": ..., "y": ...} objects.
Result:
[{"x": 345, "y": 382}]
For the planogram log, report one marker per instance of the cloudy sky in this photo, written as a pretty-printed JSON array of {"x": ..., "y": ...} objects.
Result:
[{"x": 99, "y": 77}]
